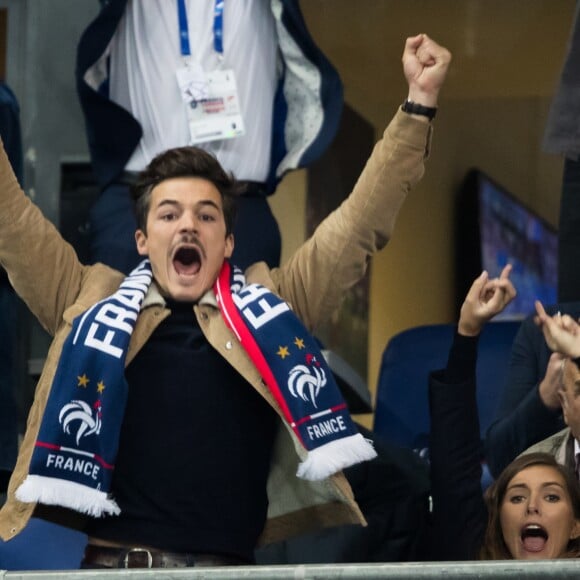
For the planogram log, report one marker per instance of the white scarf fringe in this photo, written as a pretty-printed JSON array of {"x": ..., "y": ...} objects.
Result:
[
  {"x": 324, "y": 461},
  {"x": 51, "y": 491}
]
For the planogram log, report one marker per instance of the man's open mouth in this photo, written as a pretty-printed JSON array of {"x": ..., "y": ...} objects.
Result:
[
  {"x": 534, "y": 538},
  {"x": 187, "y": 261}
]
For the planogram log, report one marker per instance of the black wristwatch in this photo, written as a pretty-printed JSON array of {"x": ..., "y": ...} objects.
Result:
[{"x": 417, "y": 109}]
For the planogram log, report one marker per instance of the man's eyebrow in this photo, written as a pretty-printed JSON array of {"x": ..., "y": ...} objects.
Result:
[
  {"x": 171, "y": 202},
  {"x": 208, "y": 202},
  {"x": 174, "y": 202}
]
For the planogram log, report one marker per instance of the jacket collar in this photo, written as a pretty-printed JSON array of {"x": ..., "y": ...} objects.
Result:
[{"x": 155, "y": 298}]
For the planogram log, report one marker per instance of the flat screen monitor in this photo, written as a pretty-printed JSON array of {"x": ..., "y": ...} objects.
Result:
[{"x": 494, "y": 229}]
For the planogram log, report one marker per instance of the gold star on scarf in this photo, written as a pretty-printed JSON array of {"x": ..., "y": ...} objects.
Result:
[
  {"x": 283, "y": 352},
  {"x": 299, "y": 342},
  {"x": 83, "y": 381},
  {"x": 100, "y": 387}
]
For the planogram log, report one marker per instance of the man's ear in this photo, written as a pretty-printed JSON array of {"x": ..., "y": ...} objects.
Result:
[
  {"x": 141, "y": 241},
  {"x": 229, "y": 246},
  {"x": 563, "y": 405}
]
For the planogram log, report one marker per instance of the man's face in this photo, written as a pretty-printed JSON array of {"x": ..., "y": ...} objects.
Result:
[
  {"x": 570, "y": 401},
  {"x": 186, "y": 237}
]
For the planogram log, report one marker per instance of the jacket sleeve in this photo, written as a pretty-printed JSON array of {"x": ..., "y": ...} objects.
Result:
[
  {"x": 459, "y": 513},
  {"x": 522, "y": 419},
  {"x": 42, "y": 267},
  {"x": 336, "y": 256}
]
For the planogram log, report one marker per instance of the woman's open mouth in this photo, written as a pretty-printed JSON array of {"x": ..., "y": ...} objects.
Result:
[{"x": 534, "y": 538}]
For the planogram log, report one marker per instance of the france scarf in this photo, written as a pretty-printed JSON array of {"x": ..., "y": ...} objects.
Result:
[{"x": 73, "y": 459}]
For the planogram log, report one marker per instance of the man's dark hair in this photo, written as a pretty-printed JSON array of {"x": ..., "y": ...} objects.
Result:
[{"x": 185, "y": 162}]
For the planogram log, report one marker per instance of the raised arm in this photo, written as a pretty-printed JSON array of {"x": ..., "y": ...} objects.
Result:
[
  {"x": 455, "y": 448},
  {"x": 42, "y": 267},
  {"x": 316, "y": 277},
  {"x": 528, "y": 409}
]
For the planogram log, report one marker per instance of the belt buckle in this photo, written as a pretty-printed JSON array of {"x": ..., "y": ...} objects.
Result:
[{"x": 138, "y": 551}]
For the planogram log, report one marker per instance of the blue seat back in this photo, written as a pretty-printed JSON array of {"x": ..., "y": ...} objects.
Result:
[
  {"x": 402, "y": 409},
  {"x": 43, "y": 545}
]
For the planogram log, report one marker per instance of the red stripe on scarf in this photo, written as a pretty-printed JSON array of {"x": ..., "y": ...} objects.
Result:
[
  {"x": 329, "y": 411},
  {"x": 237, "y": 325},
  {"x": 94, "y": 456}
]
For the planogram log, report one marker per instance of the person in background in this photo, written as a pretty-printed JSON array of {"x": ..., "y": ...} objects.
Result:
[
  {"x": 529, "y": 407},
  {"x": 529, "y": 410},
  {"x": 11, "y": 138},
  {"x": 561, "y": 136},
  {"x": 565, "y": 444},
  {"x": 242, "y": 80},
  {"x": 561, "y": 333},
  {"x": 532, "y": 510}
]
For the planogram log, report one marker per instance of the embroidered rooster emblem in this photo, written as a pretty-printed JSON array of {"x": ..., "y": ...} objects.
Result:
[
  {"x": 305, "y": 381},
  {"x": 79, "y": 412}
]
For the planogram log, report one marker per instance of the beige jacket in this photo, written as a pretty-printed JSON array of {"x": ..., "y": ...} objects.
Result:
[
  {"x": 556, "y": 445},
  {"x": 561, "y": 444},
  {"x": 47, "y": 275}
]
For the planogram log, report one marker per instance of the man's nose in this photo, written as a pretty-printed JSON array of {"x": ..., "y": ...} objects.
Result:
[{"x": 188, "y": 222}]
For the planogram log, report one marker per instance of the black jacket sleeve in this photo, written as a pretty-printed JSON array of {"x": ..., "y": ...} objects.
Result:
[
  {"x": 459, "y": 514},
  {"x": 521, "y": 418}
]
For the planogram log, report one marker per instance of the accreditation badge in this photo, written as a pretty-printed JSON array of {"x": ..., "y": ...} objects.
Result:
[
  {"x": 192, "y": 81},
  {"x": 212, "y": 104}
]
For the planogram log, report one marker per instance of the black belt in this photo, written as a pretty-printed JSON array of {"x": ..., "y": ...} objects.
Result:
[
  {"x": 252, "y": 188},
  {"x": 128, "y": 557}
]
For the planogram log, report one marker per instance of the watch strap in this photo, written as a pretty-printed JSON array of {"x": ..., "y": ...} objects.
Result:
[{"x": 417, "y": 109}]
